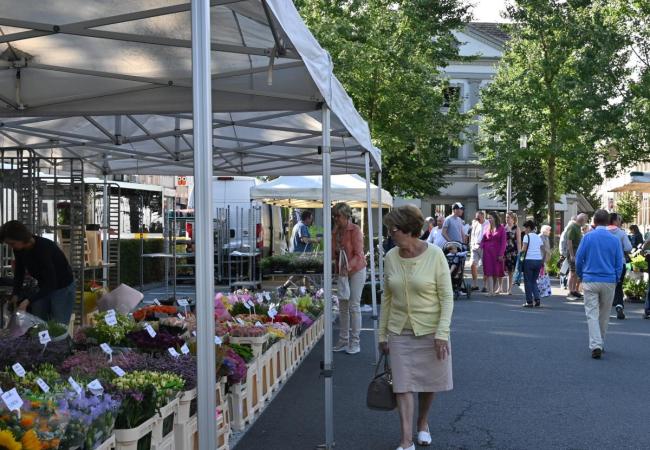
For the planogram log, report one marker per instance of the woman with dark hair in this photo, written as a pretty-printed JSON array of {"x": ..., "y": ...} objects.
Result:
[
  {"x": 513, "y": 247},
  {"x": 494, "y": 248},
  {"x": 47, "y": 264},
  {"x": 533, "y": 261},
  {"x": 635, "y": 236},
  {"x": 415, "y": 322}
]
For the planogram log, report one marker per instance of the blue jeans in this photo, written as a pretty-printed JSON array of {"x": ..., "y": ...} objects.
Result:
[
  {"x": 531, "y": 273},
  {"x": 55, "y": 306},
  {"x": 647, "y": 301}
]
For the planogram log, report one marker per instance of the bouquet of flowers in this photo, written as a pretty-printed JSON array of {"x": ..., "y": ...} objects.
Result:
[
  {"x": 161, "y": 342},
  {"x": 154, "y": 312},
  {"x": 102, "y": 332},
  {"x": 92, "y": 419}
]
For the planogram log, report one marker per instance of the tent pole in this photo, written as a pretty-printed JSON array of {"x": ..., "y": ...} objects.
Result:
[
  {"x": 371, "y": 247},
  {"x": 105, "y": 225},
  {"x": 380, "y": 232},
  {"x": 203, "y": 169},
  {"x": 327, "y": 285}
]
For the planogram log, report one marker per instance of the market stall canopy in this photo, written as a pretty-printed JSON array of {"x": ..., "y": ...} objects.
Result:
[
  {"x": 634, "y": 181},
  {"x": 109, "y": 81},
  {"x": 306, "y": 192}
]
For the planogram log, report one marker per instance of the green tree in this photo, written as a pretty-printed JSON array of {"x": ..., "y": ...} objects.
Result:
[
  {"x": 627, "y": 205},
  {"x": 388, "y": 55},
  {"x": 560, "y": 83}
]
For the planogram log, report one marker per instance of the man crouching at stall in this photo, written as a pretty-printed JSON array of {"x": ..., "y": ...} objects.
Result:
[{"x": 47, "y": 264}]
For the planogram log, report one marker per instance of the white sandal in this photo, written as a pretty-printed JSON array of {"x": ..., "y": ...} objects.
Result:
[
  {"x": 424, "y": 437},
  {"x": 412, "y": 447}
]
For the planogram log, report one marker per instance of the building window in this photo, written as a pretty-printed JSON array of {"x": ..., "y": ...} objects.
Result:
[{"x": 450, "y": 95}]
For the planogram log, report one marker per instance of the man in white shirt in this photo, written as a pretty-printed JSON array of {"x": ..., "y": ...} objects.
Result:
[
  {"x": 435, "y": 236},
  {"x": 479, "y": 225}
]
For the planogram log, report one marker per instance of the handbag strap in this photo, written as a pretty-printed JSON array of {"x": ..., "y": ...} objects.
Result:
[{"x": 387, "y": 370}]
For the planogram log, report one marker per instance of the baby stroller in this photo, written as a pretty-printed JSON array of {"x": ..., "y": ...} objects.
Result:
[{"x": 456, "y": 256}]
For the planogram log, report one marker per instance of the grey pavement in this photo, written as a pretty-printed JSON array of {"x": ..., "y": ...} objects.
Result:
[{"x": 524, "y": 379}]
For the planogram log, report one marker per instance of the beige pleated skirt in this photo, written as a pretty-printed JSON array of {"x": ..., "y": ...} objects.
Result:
[{"x": 415, "y": 365}]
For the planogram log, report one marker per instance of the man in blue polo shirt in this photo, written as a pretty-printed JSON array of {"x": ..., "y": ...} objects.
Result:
[
  {"x": 301, "y": 240},
  {"x": 599, "y": 262}
]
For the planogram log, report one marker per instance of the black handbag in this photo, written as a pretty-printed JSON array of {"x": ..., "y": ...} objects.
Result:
[{"x": 380, "y": 390}]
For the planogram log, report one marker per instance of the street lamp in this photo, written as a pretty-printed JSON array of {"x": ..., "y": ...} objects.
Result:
[{"x": 523, "y": 143}]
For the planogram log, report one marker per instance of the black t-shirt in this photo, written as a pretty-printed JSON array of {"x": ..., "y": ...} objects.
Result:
[{"x": 46, "y": 263}]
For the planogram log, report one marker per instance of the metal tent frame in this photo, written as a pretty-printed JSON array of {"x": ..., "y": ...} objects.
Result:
[{"x": 116, "y": 90}]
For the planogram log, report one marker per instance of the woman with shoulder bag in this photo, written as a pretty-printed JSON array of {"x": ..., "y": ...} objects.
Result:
[
  {"x": 532, "y": 264},
  {"x": 415, "y": 321},
  {"x": 347, "y": 241}
]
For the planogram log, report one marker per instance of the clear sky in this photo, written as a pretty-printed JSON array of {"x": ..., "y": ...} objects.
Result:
[{"x": 488, "y": 10}]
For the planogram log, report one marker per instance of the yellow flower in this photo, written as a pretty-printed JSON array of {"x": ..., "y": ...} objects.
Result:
[
  {"x": 7, "y": 441},
  {"x": 30, "y": 441}
]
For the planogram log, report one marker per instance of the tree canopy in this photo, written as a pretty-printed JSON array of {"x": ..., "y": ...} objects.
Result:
[
  {"x": 388, "y": 55},
  {"x": 561, "y": 83}
]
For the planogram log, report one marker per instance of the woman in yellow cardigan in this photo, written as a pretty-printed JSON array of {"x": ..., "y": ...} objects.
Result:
[{"x": 415, "y": 319}]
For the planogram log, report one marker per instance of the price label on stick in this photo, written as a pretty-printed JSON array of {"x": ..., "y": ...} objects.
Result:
[
  {"x": 185, "y": 349},
  {"x": 218, "y": 340},
  {"x": 194, "y": 333},
  {"x": 303, "y": 290},
  {"x": 150, "y": 330},
  {"x": 172, "y": 351},
  {"x": 44, "y": 337},
  {"x": 239, "y": 321},
  {"x": 96, "y": 388},
  {"x": 12, "y": 400},
  {"x": 259, "y": 297},
  {"x": 182, "y": 302},
  {"x": 267, "y": 296},
  {"x": 118, "y": 371},
  {"x": 180, "y": 316},
  {"x": 156, "y": 302},
  {"x": 110, "y": 318},
  {"x": 19, "y": 370},
  {"x": 106, "y": 348},
  {"x": 247, "y": 305},
  {"x": 259, "y": 324},
  {"x": 43, "y": 385},
  {"x": 77, "y": 388},
  {"x": 272, "y": 313}
]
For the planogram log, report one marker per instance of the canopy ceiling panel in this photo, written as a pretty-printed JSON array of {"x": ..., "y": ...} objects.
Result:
[
  {"x": 110, "y": 81},
  {"x": 306, "y": 192}
]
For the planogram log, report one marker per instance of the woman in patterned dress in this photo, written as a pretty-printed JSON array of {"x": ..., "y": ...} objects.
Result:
[{"x": 513, "y": 247}]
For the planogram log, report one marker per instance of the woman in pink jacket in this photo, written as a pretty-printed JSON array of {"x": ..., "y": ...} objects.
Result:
[
  {"x": 494, "y": 249},
  {"x": 348, "y": 238}
]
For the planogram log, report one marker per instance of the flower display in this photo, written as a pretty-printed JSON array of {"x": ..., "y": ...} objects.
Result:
[
  {"x": 154, "y": 312},
  {"x": 166, "y": 384},
  {"x": 30, "y": 353},
  {"x": 233, "y": 366},
  {"x": 8, "y": 441},
  {"x": 102, "y": 332},
  {"x": 161, "y": 342},
  {"x": 92, "y": 419}
]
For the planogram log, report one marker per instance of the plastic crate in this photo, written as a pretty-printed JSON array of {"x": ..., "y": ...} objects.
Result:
[
  {"x": 108, "y": 444},
  {"x": 186, "y": 406},
  {"x": 127, "y": 439},
  {"x": 163, "y": 436}
]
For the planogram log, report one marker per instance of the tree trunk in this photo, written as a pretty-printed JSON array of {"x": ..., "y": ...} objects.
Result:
[{"x": 551, "y": 194}]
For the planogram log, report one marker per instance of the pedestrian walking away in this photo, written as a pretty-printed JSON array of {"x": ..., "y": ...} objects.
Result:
[
  {"x": 479, "y": 225},
  {"x": 415, "y": 321},
  {"x": 615, "y": 228},
  {"x": 494, "y": 248},
  {"x": 599, "y": 262},
  {"x": 513, "y": 247},
  {"x": 572, "y": 239},
  {"x": 347, "y": 241},
  {"x": 532, "y": 263}
]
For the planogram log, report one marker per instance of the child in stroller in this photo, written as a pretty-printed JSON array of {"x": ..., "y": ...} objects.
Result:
[{"x": 456, "y": 257}]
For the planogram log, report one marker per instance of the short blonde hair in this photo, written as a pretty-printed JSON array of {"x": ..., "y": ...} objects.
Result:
[
  {"x": 407, "y": 219},
  {"x": 342, "y": 209},
  {"x": 513, "y": 216},
  {"x": 545, "y": 229}
]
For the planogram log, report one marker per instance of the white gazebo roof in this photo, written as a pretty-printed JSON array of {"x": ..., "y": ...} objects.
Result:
[
  {"x": 307, "y": 192},
  {"x": 110, "y": 81}
]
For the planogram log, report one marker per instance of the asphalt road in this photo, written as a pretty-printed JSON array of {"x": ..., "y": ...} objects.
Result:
[{"x": 524, "y": 379}]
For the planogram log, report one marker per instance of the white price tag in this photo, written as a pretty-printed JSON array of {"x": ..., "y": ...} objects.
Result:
[
  {"x": 96, "y": 388},
  {"x": 118, "y": 371},
  {"x": 303, "y": 290},
  {"x": 106, "y": 348},
  {"x": 12, "y": 400},
  {"x": 43, "y": 385},
  {"x": 247, "y": 305},
  {"x": 110, "y": 319},
  {"x": 172, "y": 351},
  {"x": 272, "y": 313},
  {"x": 182, "y": 302},
  {"x": 150, "y": 330},
  {"x": 180, "y": 316},
  {"x": 239, "y": 321},
  {"x": 267, "y": 296},
  {"x": 218, "y": 340},
  {"x": 156, "y": 302},
  {"x": 294, "y": 301},
  {"x": 19, "y": 370},
  {"x": 77, "y": 388},
  {"x": 185, "y": 349},
  {"x": 259, "y": 324},
  {"x": 44, "y": 337},
  {"x": 259, "y": 297},
  {"x": 194, "y": 333}
]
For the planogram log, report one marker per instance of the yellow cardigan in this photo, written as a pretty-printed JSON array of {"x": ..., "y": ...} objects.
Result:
[{"x": 416, "y": 290}]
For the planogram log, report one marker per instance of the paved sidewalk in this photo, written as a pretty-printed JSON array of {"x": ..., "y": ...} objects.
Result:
[{"x": 524, "y": 379}]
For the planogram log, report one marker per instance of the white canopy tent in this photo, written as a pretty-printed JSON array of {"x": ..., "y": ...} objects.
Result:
[
  {"x": 128, "y": 87},
  {"x": 307, "y": 192}
]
